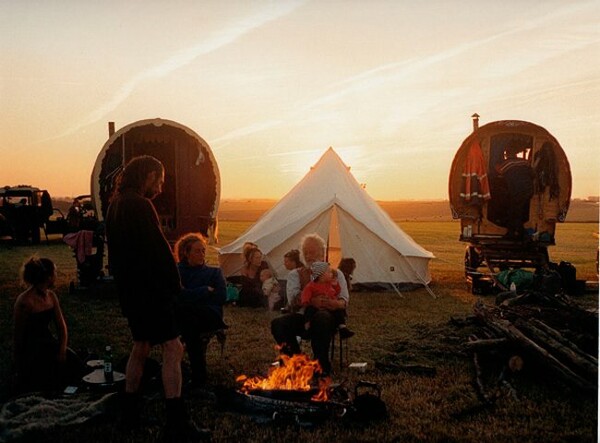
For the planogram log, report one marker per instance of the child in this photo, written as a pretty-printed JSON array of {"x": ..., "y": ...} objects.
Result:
[
  {"x": 323, "y": 283},
  {"x": 347, "y": 266},
  {"x": 270, "y": 288},
  {"x": 42, "y": 360}
]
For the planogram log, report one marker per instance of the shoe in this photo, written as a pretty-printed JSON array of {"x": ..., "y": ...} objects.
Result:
[{"x": 345, "y": 333}]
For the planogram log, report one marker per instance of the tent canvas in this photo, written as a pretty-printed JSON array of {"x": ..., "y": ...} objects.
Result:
[{"x": 330, "y": 202}]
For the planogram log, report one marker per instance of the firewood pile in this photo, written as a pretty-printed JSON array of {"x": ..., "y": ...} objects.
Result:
[{"x": 546, "y": 332}]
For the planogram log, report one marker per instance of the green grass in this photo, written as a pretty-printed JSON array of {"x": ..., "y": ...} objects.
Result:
[{"x": 413, "y": 329}]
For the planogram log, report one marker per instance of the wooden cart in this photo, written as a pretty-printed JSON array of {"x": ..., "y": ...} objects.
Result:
[
  {"x": 190, "y": 198},
  {"x": 479, "y": 198}
]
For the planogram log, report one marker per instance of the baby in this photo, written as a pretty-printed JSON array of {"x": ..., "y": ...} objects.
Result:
[
  {"x": 270, "y": 288},
  {"x": 324, "y": 283}
]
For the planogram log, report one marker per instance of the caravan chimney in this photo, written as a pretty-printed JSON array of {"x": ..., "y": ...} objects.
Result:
[
  {"x": 111, "y": 128},
  {"x": 475, "y": 118}
]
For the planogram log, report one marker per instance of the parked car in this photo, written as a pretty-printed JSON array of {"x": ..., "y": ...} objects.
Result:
[
  {"x": 56, "y": 223},
  {"x": 24, "y": 210}
]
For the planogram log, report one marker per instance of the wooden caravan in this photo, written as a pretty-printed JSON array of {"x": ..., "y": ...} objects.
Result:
[
  {"x": 191, "y": 192},
  {"x": 482, "y": 195}
]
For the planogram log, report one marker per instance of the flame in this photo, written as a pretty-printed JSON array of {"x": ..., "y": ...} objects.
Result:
[{"x": 293, "y": 373}]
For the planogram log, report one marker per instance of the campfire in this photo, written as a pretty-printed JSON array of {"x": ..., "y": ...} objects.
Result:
[
  {"x": 288, "y": 394},
  {"x": 291, "y": 378}
]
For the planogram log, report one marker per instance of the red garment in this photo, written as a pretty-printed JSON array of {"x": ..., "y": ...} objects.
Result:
[
  {"x": 314, "y": 289},
  {"x": 81, "y": 242},
  {"x": 475, "y": 180}
]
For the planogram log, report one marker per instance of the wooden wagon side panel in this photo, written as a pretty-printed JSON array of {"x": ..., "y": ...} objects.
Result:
[{"x": 198, "y": 204}]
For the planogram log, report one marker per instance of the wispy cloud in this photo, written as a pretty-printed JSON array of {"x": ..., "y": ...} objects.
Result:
[
  {"x": 223, "y": 140},
  {"x": 399, "y": 73},
  {"x": 387, "y": 73},
  {"x": 230, "y": 34}
]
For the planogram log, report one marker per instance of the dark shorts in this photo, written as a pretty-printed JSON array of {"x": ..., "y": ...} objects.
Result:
[{"x": 154, "y": 326}]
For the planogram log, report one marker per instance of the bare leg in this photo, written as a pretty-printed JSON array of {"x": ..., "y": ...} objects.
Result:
[
  {"x": 172, "y": 353},
  {"x": 135, "y": 365}
]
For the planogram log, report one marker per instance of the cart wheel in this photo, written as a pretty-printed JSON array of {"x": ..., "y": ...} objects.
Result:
[{"x": 472, "y": 260}]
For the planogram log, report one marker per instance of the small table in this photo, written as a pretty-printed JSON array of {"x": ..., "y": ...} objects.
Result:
[{"x": 97, "y": 378}]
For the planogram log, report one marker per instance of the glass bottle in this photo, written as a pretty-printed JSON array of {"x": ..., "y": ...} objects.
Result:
[{"x": 108, "y": 369}]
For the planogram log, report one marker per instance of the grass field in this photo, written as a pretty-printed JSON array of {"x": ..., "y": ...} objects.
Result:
[{"x": 412, "y": 329}]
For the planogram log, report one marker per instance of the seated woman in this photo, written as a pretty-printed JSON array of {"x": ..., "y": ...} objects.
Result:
[
  {"x": 200, "y": 304},
  {"x": 251, "y": 292},
  {"x": 42, "y": 361}
]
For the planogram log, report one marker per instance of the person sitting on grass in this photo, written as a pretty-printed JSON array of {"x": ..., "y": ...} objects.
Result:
[
  {"x": 43, "y": 362},
  {"x": 347, "y": 266},
  {"x": 271, "y": 288},
  {"x": 323, "y": 283},
  {"x": 200, "y": 303},
  {"x": 251, "y": 294}
]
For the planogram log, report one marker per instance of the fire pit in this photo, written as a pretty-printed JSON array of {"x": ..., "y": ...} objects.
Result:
[
  {"x": 290, "y": 380},
  {"x": 288, "y": 391}
]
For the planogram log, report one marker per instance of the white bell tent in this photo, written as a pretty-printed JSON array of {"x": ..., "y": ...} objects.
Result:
[{"x": 330, "y": 202}]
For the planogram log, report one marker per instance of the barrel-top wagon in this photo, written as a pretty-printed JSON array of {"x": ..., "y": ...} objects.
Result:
[
  {"x": 509, "y": 185},
  {"x": 191, "y": 192}
]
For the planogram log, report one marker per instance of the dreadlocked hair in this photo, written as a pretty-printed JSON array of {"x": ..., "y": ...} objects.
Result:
[{"x": 135, "y": 173}]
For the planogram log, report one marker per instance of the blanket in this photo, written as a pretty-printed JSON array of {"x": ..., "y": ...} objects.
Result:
[{"x": 35, "y": 413}]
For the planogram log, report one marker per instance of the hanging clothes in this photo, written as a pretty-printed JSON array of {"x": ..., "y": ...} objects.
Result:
[
  {"x": 545, "y": 170},
  {"x": 81, "y": 242},
  {"x": 476, "y": 188}
]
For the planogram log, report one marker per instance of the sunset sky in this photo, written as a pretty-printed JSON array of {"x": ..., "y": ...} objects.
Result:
[{"x": 390, "y": 85}]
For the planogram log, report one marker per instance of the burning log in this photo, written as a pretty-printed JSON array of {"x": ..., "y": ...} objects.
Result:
[
  {"x": 287, "y": 392},
  {"x": 292, "y": 375}
]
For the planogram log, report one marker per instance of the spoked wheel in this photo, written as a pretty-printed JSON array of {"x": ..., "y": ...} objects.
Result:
[{"x": 472, "y": 260}]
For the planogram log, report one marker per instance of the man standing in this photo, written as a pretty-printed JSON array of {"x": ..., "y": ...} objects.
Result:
[
  {"x": 518, "y": 177},
  {"x": 148, "y": 283},
  {"x": 323, "y": 324}
]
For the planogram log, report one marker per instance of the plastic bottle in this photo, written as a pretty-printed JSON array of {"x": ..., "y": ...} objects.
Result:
[
  {"x": 108, "y": 369},
  {"x": 513, "y": 287}
]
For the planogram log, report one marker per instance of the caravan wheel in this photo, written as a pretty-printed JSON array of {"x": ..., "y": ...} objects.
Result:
[{"x": 472, "y": 260}]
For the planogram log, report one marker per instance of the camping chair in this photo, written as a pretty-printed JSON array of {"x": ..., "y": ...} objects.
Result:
[
  {"x": 342, "y": 345},
  {"x": 206, "y": 337},
  {"x": 343, "y": 349}
]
